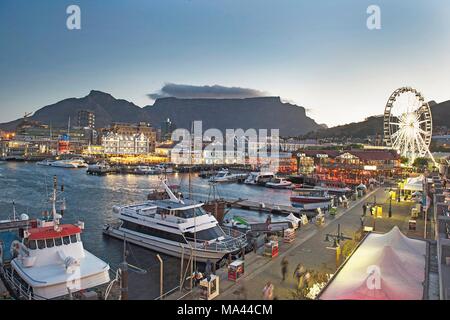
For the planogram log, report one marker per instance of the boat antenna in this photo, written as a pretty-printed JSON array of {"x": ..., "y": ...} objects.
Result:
[
  {"x": 14, "y": 210},
  {"x": 192, "y": 141},
  {"x": 170, "y": 193}
]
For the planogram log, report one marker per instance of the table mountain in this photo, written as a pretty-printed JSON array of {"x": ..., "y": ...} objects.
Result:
[{"x": 258, "y": 113}]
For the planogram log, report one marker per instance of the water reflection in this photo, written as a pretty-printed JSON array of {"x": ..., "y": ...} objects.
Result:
[{"x": 91, "y": 198}]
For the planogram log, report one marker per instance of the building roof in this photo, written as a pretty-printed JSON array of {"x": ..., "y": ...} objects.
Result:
[
  {"x": 364, "y": 155},
  {"x": 367, "y": 155}
]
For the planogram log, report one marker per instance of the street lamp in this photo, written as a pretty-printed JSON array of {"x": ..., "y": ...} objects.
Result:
[
  {"x": 336, "y": 238},
  {"x": 390, "y": 203}
]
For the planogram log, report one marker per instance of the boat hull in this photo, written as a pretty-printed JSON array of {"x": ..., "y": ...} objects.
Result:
[
  {"x": 309, "y": 199},
  {"x": 174, "y": 250}
]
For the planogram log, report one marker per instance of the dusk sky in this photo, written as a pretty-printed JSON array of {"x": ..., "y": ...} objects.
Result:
[{"x": 317, "y": 54}]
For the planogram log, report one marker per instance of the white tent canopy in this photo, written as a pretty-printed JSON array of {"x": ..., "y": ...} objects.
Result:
[
  {"x": 387, "y": 266},
  {"x": 414, "y": 184}
]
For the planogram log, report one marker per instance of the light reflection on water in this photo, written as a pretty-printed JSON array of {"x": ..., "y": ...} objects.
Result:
[{"x": 90, "y": 199}]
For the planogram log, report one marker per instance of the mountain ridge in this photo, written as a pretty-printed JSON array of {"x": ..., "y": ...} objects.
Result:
[{"x": 244, "y": 113}]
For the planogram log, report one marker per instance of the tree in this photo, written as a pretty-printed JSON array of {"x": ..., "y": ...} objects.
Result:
[
  {"x": 404, "y": 160},
  {"x": 420, "y": 163}
]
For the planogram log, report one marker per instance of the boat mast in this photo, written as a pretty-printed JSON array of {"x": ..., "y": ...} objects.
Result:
[
  {"x": 192, "y": 140},
  {"x": 14, "y": 211}
]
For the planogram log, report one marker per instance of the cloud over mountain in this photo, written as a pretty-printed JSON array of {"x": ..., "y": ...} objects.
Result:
[{"x": 185, "y": 91}]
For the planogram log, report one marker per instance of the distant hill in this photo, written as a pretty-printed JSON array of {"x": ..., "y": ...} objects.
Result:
[
  {"x": 374, "y": 125},
  {"x": 107, "y": 109},
  {"x": 258, "y": 113}
]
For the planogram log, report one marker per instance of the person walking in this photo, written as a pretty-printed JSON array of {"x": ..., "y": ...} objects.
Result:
[
  {"x": 268, "y": 291},
  {"x": 284, "y": 268},
  {"x": 298, "y": 275},
  {"x": 364, "y": 207}
]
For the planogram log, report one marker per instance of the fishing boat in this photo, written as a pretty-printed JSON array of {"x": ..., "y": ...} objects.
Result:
[
  {"x": 279, "y": 183},
  {"x": 305, "y": 196},
  {"x": 175, "y": 227},
  {"x": 259, "y": 178},
  {"x": 225, "y": 176},
  {"x": 45, "y": 259}
]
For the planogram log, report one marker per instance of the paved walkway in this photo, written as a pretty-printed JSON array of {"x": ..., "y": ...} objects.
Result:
[{"x": 310, "y": 249}]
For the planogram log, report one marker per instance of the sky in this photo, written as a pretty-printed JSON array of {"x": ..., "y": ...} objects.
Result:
[{"x": 317, "y": 54}]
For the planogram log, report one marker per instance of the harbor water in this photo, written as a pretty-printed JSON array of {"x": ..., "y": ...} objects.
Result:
[{"x": 91, "y": 198}]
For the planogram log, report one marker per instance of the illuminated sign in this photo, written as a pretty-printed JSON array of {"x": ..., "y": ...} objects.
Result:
[
  {"x": 320, "y": 155},
  {"x": 370, "y": 168}
]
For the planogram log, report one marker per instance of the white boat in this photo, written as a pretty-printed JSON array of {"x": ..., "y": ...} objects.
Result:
[
  {"x": 80, "y": 162},
  {"x": 333, "y": 190},
  {"x": 226, "y": 176},
  {"x": 259, "y": 178},
  {"x": 175, "y": 227},
  {"x": 147, "y": 170},
  {"x": 279, "y": 183},
  {"x": 46, "y": 162},
  {"x": 48, "y": 260},
  {"x": 164, "y": 168},
  {"x": 69, "y": 163},
  {"x": 99, "y": 168}
]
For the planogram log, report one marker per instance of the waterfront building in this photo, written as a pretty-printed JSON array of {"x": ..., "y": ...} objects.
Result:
[
  {"x": 128, "y": 132},
  {"x": 350, "y": 166},
  {"x": 125, "y": 144},
  {"x": 167, "y": 127},
  {"x": 86, "y": 119}
]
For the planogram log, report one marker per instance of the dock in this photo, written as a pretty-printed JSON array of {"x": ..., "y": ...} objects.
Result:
[{"x": 263, "y": 207}]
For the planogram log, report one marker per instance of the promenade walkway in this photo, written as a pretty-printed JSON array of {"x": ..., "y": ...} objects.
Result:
[{"x": 310, "y": 249}]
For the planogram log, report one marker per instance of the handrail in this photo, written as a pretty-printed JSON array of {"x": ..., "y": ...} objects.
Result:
[{"x": 237, "y": 241}]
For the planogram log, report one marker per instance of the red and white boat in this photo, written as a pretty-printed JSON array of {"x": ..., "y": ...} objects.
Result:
[
  {"x": 302, "y": 196},
  {"x": 48, "y": 260}
]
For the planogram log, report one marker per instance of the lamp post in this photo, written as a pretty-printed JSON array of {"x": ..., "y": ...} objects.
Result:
[
  {"x": 390, "y": 203},
  {"x": 336, "y": 238}
]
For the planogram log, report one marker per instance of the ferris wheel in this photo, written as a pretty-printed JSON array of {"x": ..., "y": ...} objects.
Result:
[{"x": 408, "y": 123}]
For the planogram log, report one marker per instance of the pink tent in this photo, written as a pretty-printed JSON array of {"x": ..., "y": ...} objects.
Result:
[{"x": 384, "y": 267}]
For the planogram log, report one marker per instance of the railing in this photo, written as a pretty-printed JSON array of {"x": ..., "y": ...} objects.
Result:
[
  {"x": 234, "y": 240},
  {"x": 20, "y": 291}
]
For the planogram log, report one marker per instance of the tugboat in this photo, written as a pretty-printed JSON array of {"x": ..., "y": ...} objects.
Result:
[
  {"x": 45, "y": 259},
  {"x": 175, "y": 227}
]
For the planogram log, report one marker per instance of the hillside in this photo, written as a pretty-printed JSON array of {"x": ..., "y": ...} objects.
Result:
[
  {"x": 374, "y": 125},
  {"x": 258, "y": 113}
]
